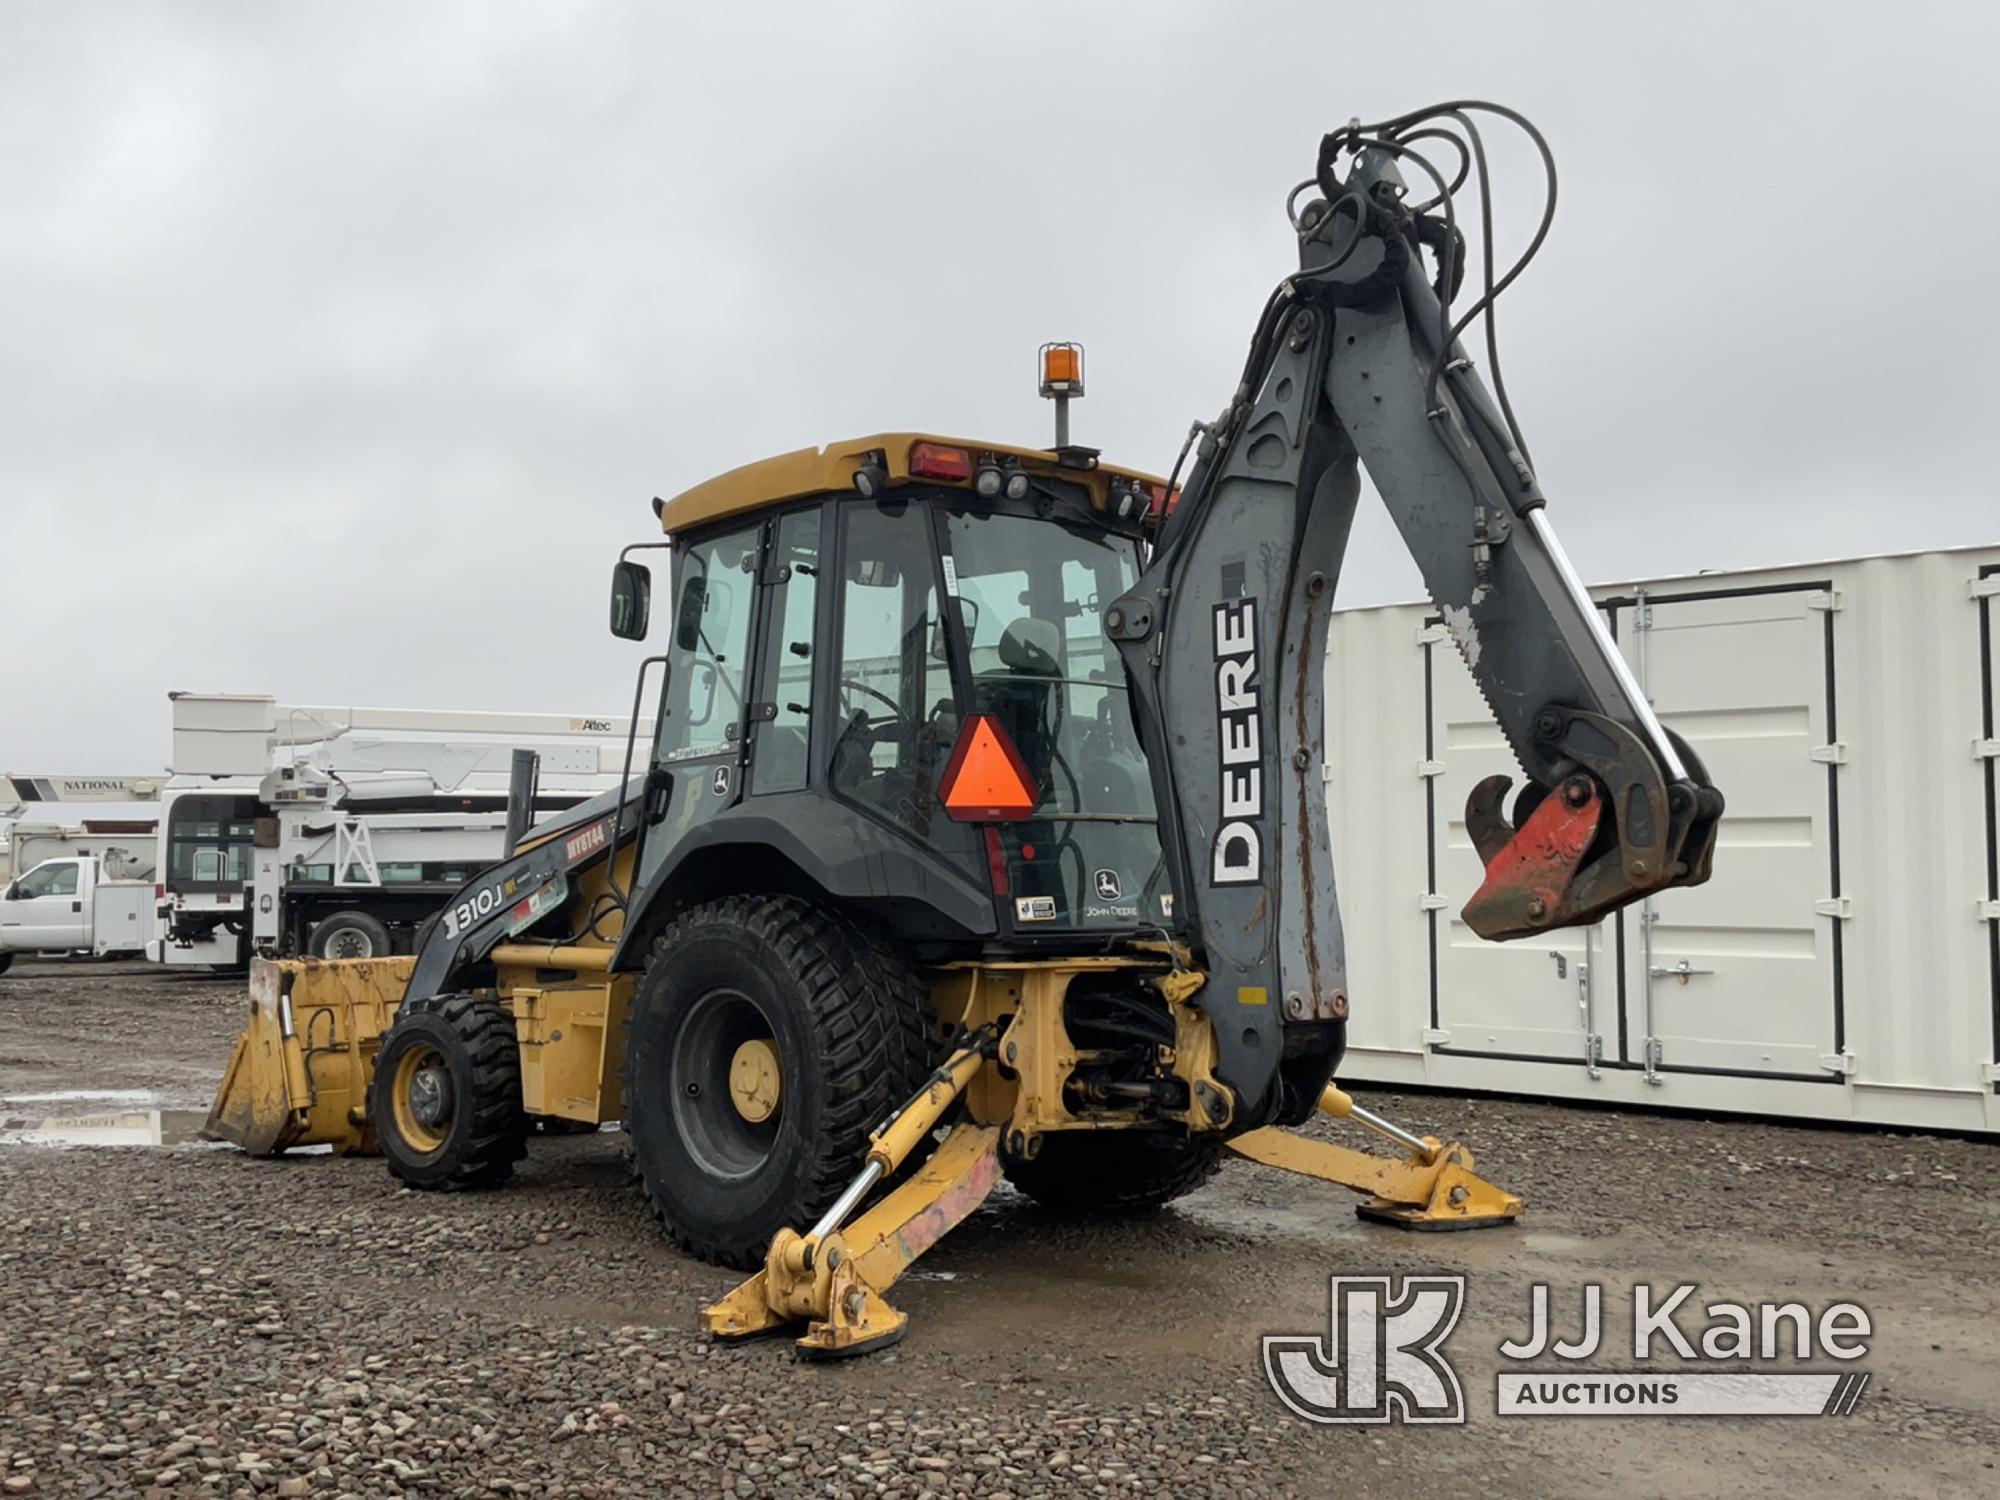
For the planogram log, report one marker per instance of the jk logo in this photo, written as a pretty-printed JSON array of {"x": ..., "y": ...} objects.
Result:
[{"x": 1380, "y": 1360}]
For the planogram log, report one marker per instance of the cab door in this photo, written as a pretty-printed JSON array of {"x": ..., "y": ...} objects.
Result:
[
  {"x": 45, "y": 908},
  {"x": 705, "y": 712}
]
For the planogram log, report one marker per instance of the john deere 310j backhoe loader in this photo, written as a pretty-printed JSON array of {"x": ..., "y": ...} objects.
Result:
[{"x": 985, "y": 799}]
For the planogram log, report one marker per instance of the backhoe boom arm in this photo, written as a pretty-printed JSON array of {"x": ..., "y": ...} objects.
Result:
[{"x": 1224, "y": 636}]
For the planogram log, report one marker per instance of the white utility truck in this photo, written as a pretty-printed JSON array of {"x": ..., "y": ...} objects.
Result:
[
  {"x": 335, "y": 832},
  {"x": 75, "y": 904},
  {"x": 129, "y": 846},
  {"x": 36, "y": 807}
]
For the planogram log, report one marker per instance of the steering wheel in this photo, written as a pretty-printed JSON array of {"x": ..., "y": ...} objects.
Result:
[{"x": 895, "y": 708}]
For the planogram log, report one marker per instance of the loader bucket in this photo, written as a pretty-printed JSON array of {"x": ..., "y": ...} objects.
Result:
[{"x": 300, "y": 1070}]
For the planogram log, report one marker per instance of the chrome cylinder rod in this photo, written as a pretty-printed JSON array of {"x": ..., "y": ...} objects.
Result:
[
  {"x": 835, "y": 1216},
  {"x": 1394, "y": 1132},
  {"x": 1538, "y": 521}
]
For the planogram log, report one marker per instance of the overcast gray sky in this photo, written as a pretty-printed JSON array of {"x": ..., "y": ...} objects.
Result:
[{"x": 344, "y": 344}]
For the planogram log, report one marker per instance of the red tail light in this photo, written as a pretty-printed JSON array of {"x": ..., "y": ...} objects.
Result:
[{"x": 937, "y": 461}]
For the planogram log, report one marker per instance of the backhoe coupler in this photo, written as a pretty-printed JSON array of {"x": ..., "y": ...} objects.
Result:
[
  {"x": 1432, "y": 1188},
  {"x": 832, "y": 1279}
]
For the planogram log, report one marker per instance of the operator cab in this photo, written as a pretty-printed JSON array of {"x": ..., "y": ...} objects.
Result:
[{"x": 893, "y": 652}]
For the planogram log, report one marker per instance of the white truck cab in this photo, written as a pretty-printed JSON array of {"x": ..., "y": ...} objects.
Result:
[{"x": 71, "y": 905}]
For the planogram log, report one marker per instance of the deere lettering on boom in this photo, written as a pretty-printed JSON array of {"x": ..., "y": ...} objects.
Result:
[{"x": 983, "y": 833}]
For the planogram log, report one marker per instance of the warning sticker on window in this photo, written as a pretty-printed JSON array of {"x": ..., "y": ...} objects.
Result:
[{"x": 1034, "y": 908}]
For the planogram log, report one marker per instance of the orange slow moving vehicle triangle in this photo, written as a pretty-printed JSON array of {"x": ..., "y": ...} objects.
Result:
[{"x": 985, "y": 780}]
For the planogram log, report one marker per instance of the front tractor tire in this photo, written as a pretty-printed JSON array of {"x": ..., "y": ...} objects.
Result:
[
  {"x": 1113, "y": 1173},
  {"x": 446, "y": 1099},
  {"x": 767, "y": 1038}
]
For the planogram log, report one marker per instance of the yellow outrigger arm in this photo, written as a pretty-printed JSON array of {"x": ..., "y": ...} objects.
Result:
[
  {"x": 833, "y": 1280},
  {"x": 1434, "y": 1187}
]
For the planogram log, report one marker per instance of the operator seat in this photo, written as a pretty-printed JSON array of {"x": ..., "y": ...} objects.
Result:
[{"x": 1022, "y": 693}]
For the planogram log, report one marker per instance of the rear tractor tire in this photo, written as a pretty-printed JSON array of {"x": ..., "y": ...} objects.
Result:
[
  {"x": 1114, "y": 1173},
  {"x": 767, "y": 1038},
  {"x": 446, "y": 1100}
]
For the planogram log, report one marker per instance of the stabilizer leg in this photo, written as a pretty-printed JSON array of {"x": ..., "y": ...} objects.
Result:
[
  {"x": 1432, "y": 1188},
  {"x": 833, "y": 1280}
]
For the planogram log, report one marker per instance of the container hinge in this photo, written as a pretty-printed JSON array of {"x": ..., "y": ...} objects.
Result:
[
  {"x": 1431, "y": 633},
  {"x": 1986, "y": 749},
  {"x": 1834, "y": 754},
  {"x": 1428, "y": 768},
  {"x": 1990, "y": 1072},
  {"x": 1826, "y": 599},
  {"x": 1983, "y": 588},
  {"x": 1841, "y": 907},
  {"x": 1987, "y": 911},
  {"x": 1839, "y": 1062},
  {"x": 1432, "y": 901},
  {"x": 1325, "y": 773},
  {"x": 1437, "y": 1036}
]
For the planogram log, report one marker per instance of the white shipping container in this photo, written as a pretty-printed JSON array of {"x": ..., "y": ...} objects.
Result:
[{"x": 1844, "y": 961}]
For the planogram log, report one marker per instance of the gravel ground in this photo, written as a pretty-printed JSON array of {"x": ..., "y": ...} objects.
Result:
[{"x": 187, "y": 1322}]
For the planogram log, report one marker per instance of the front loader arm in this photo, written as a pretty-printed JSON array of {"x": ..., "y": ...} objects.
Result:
[{"x": 1224, "y": 637}]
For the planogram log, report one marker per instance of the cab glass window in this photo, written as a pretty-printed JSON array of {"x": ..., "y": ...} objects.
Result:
[
  {"x": 716, "y": 585},
  {"x": 1031, "y": 594},
  {"x": 892, "y": 695},
  {"x": 49, "y": 880},
  {"x": 209, "y": 843},
  {"x": 787, "y": 678}
]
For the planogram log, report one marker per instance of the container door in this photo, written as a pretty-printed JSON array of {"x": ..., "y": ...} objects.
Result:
[
  {"x": 1741, "y": 975},
  {"x": 1549, "y": 998},
  {"x": 1989, "y": 747}
]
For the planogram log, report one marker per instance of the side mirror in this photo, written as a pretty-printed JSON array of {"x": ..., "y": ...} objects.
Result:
[
  {"x": 631, "y": 599},
  {"x": 694, "y": 600},
  {"x": 13, "y": 893}
]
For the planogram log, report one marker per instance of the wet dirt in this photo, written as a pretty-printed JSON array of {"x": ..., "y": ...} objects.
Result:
[{"x": 232, "y": 1323}]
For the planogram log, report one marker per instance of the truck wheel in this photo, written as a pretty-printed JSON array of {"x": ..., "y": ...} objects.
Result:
[
  {"x": 6, "y": 962},
  {"x": 1107, "y": 1173},
  {"x": 351, "y": 934},
  {"x": 446, "y": 1100},
  {"x": 767, "y": 1038}
]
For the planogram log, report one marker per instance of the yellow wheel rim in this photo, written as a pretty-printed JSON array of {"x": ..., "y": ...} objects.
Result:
[
  {"x": 756, "y": 1082},
  {"x": 421, "y": 1090}
]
